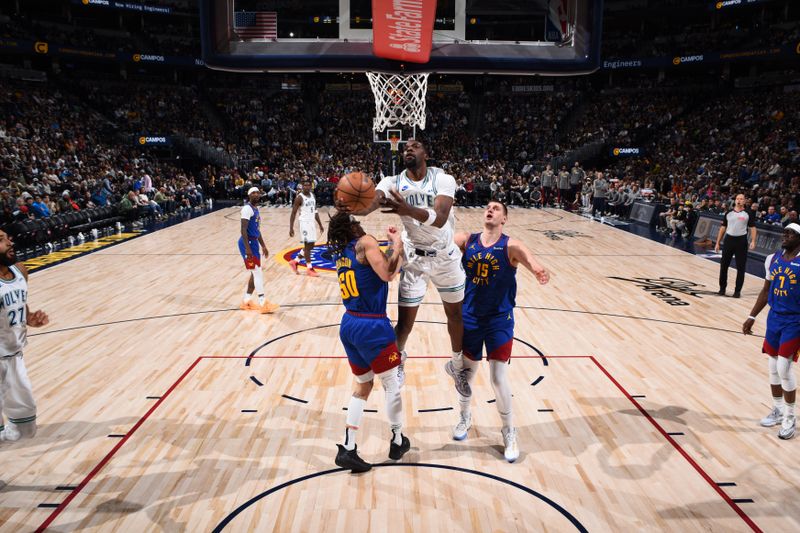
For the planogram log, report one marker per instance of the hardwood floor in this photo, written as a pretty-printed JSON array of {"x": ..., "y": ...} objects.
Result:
[{"x": 642, "y": 414}]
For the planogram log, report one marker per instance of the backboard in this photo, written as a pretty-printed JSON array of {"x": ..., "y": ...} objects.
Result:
[{"x": 470, "y": 36}]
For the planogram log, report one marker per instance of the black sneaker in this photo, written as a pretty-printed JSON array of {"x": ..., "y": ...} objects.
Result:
[
  {"x": 737, "y": 294},
  {"x": 721, "y": 292},
  {"x": 397, "y": 451},
  {"x": 349, "y": 459}
]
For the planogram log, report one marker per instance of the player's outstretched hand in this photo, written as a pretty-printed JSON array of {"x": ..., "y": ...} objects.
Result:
[
  {"x": 341, "y": 206},
  {"x": 395, "y": 203},
  {"x": 393, "y": 234},
  {"x": 747, "y": 327},
  {"x": 38, "y": 319},
  {"x": 543, "y": 276}
]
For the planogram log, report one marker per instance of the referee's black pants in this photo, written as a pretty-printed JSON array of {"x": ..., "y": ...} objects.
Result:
[{"x": 733, "y": 246}]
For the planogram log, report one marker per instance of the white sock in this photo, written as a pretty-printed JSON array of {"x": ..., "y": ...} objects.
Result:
[
  {"x": 777, "y": 403},
  {"x": 472, "y": 366},
  {"x": 394, "y": 403},
  {"x": 788, "y": 409},
  {"x": 498, "y": 372},
  {"x": 397, "y": 434},
  {"x": 458, "y": 360},
  {"x": 355, "y": 410},
  {"x": 258, "y": 281},
  {"x": 247, "y": 296}
]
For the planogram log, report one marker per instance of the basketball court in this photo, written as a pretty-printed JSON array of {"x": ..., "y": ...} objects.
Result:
[
  {"x": 167, "y": 408},
  {"x": 163, "y": 407}
]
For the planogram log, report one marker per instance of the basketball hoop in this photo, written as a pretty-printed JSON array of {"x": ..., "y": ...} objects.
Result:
[
  {"x": 399, "y": 99},
  {"x": 395, "y": 143}
]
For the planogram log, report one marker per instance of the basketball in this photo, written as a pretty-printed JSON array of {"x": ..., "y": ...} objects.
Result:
[{"x": 355, "y": 191}]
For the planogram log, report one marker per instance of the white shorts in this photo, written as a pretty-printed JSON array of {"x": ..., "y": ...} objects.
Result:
[
  {"x": 16, "y": 396},
  {"x": 308, "y": 231},
  {"x": 444, "y": 270}
]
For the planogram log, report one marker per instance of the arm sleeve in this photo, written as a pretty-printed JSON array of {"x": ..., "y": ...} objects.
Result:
[
  {"x": 445, "y": 185},
  {"x": 767, "y": 264},
  {"x": 247, "y": 212}
]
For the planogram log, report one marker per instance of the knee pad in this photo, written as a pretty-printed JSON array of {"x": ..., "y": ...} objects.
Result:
[
  {"x": 389, "y": 381},
  {"x": 774, "y": 377},
  {"x": 498, "y": 373},
  {"x": 786, "y": 373},
  {"x": 364, "y": 378}
]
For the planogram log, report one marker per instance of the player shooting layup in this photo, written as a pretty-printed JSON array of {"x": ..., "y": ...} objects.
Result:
[{"x": 423, "y": 197}]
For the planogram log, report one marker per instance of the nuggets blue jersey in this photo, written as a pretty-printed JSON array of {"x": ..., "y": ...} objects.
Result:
[
  {"x": 253, "y": 229},
  {"x": 784, "y": 290},
  {"x": 491, "y": 287},
  {"x": 362, "y": 290}
]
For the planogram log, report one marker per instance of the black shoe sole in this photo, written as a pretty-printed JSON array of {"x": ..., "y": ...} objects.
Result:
[{"x": 397, "y": 452}]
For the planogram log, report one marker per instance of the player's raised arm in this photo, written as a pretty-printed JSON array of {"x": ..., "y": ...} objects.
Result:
[
  {"x": 460, "y": 239},
  {"x": 395, "y": 252},
  {"x": 521, "y": 255},
  {"x": 383, "y": 267}
]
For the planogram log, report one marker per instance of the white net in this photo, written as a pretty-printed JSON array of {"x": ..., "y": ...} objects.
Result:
[{"x": 399, "y": 99}]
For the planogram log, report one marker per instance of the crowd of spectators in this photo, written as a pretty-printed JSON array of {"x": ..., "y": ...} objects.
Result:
[
  {"x": 62, "y": 151},
  {"x": 56, "y": 155}
]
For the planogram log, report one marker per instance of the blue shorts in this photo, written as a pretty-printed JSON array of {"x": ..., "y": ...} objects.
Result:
[
  {"x": 369, "y": 343},
  {"x": 495, "y": 332},
  {"x": 783, "y": 336},
  {"x": 256, "y": 252}
]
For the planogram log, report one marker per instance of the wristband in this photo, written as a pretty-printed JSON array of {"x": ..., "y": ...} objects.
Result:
[
  {"x": 751, "y": 317},
  {"x": 431, "y": 217}
]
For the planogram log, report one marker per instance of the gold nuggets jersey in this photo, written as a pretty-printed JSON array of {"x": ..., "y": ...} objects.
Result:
[
  {"x": 13, "y": 313},
  {"x": 422, "y": 194},
  {"x": 309, "y": 207}
]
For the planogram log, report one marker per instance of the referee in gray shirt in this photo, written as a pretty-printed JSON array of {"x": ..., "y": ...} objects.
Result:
[{"x": 734, "y": 227}]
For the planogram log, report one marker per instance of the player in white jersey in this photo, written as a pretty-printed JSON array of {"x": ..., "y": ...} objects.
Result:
[
  {"x": 306, "y": 203},
  {"x": 16, "y": 396},
  {"x": 423, "y": 197}
]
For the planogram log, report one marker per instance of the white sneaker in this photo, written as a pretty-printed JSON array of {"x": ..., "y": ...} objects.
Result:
[
  {"x": 773, "y": 418},
  {"x": 460, "y": 431},
  {"x": 9, "y": 433},
  {"x": 511, "y": 451},
  {"x": 401, "y": 370},
  {"x": 460, "y": 379},
  {"x": 787, "y": 428}
]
